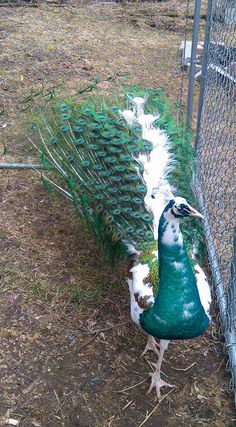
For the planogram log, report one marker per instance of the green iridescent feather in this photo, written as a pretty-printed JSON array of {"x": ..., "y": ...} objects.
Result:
[
  {"x": 94, "y": 152},
  {"x": 149, "y": 257}
]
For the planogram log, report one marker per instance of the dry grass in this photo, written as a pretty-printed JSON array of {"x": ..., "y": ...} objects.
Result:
[{"x": 69, "y": 355}]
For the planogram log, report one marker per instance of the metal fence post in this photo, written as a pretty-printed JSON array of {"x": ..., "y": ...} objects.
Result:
[
  {"x": 196, "y": 24},
  {"x": 230, "y": 337},
  {"x": 204, "y": 68}
]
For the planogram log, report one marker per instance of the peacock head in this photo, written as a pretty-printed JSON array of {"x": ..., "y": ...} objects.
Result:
[{"x": 179, "y": 208}]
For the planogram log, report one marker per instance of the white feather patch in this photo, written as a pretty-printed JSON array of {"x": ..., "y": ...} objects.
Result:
[
  {"x": 157, "y": 164},
  {"x": 203, "y": 289},
  {"x": 138, "y": 287}
]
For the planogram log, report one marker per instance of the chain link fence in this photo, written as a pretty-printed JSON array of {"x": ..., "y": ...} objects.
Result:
[{"x": 215, "y": 179}]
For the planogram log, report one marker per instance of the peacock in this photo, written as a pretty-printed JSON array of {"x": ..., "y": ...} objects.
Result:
[{"x": 128, "y": 173}]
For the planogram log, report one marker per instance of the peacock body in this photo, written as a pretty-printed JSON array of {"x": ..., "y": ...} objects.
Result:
[{"x": 121, "y": 169}]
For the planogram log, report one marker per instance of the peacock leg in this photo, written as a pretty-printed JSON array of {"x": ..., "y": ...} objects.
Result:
[
  {"x": 156, "y": 381},
  {"x": 150, "y": 346}
]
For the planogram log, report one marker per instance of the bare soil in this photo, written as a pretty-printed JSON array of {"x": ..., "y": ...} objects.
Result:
[{"x": 69, "y": 353}]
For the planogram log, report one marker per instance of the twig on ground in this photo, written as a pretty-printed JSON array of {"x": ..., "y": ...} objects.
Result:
[
  {"x": 133, "y": 386},
  {"x": 127, "y": 405},
  {"x": 59, "y": 403},
  {"x": 89, "y": 342},
  {"x": 150, "y": 413},
  {"x": 184, "y": 369},
  {"x": 220, "y": 365},
  {"x": 31, "y": 386}
]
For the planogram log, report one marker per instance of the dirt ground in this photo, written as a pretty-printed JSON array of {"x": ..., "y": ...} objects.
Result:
[{"x": 69, "y": 353}]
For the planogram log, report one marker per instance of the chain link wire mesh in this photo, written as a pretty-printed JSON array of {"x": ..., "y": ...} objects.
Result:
[{"x": 215, "y": 179}]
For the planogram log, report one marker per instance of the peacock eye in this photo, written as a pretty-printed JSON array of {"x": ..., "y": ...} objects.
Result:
[{"x": 179, "y": 209}]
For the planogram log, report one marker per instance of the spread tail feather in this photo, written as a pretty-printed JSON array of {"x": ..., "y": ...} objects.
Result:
[{"x": 119, "y": 166}]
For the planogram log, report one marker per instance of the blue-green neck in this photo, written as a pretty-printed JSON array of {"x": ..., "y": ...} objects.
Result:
[
  {"x": 177, "y": 312},
  {"x": 175, "y": 270}
]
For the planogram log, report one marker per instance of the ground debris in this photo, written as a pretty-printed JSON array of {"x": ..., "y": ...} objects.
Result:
[{"x": 12, "y": 422}]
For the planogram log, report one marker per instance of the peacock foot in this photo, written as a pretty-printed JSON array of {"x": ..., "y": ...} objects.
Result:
[
  {"x": 150, "y": 346},
  {"x": 157, "y": 382}
]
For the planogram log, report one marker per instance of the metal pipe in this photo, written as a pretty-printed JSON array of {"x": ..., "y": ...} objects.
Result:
[
  {"x": 204, "y": 69},
  {"x": 10, "y": 166},
  {"x": 196, "y": 23},
  {"x": 230, "y": 337}
]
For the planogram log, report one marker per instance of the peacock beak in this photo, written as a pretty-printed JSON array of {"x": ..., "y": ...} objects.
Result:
[{"x": 195, "y": 213}]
